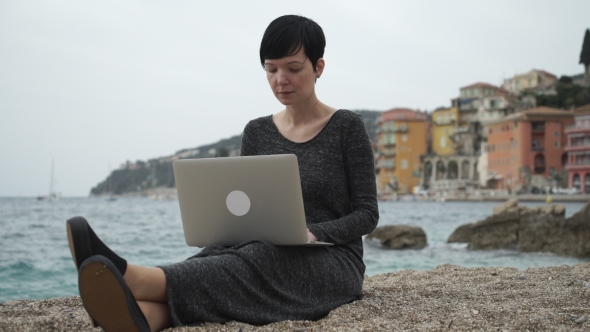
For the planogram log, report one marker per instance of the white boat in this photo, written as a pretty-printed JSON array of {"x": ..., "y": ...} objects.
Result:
[{"x": 52, "y": 196}]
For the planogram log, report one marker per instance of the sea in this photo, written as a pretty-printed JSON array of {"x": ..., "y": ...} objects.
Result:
[{"x": 35, "y": 261}]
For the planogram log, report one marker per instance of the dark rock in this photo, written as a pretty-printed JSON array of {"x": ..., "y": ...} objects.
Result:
[
  {"x": 462, "y": 234},
  {"x": 400, "y": 237},
  {"x": 538, "y": 227},
  {"x": 543, "y": 229},
  {"x": 499, "y": 231}
]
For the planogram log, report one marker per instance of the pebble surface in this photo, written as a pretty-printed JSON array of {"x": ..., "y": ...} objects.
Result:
[{"x": 446, "y": 298}]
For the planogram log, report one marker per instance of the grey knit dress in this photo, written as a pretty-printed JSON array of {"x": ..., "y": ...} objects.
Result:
[{"x": 259, "y": 283}]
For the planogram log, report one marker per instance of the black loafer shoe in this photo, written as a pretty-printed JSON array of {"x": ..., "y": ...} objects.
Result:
[
  {"x": 107, "y": 299},
  {"x": 79, "y": 240}
]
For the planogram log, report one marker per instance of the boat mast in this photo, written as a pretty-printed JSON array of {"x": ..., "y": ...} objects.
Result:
[{"x": 51, "y": 179}]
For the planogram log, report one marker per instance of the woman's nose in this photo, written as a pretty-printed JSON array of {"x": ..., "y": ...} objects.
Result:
[{"x": 282, "y": 78}]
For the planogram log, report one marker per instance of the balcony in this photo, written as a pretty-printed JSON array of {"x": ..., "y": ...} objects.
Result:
[
  {"x": 577, "y": 147},
  {"x": 388, "y": 144},
  {"x": 386, "y": 163},
  {"x": 537, "y": 148},
  {"x": 388, "y": 152},
  {"x": 576, "y": 129},
  {"x": 538, "y": 127}
]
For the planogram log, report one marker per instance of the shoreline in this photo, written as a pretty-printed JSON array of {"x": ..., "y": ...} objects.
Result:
[
  {"x": 446, "y": 298},
  {"x": 497, "y": 198}
]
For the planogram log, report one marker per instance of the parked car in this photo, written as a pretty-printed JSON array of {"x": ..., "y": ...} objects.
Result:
[
  {"x": 536, "y": 190},
  {"x": 565, "y": 191}
]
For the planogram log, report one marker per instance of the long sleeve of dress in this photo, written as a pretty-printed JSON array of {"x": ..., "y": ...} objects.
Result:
[{"x": 360, "y": 172}]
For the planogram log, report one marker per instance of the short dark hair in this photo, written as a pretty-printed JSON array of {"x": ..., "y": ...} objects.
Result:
[{"x": 287, "y": 34}]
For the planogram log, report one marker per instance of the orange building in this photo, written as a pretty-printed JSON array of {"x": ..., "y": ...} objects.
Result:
[
  {"x": 527, "y": 143},
  {"x": 578, "y": 150},
  {"x": 402, "y": 138}
]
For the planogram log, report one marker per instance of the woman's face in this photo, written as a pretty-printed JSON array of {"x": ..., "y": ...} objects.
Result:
[{"x": 292, "y": 78}]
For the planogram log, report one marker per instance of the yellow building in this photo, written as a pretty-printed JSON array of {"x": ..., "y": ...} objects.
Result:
[
  {"x": 444, "y": 121},
  {"x": 402, "y": 139}
]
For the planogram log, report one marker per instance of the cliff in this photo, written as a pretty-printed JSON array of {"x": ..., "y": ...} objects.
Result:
[{"x": 141, "y": 176}]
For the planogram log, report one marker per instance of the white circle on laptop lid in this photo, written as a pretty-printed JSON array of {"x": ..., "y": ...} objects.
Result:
[{"x": 238, "y": 203}]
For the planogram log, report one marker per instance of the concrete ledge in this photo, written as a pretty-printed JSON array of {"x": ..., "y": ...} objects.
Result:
[{"x": 446, "y": 298}]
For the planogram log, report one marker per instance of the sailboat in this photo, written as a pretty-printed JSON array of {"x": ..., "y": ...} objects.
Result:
[{"x": 53, "y": 196}]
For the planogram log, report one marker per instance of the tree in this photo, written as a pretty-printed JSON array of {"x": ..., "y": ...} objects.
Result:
[
  {"x": 585, "y": 57},
  {"x": 567, "y": 95}
]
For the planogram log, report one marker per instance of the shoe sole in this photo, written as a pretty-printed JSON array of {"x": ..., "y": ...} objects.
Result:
[
  {"x": 78, "y": 240},
  {"x": 107, "y": 298}
]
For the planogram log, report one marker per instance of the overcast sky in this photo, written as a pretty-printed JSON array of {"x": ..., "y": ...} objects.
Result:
[{"x": 95, "y": 83}]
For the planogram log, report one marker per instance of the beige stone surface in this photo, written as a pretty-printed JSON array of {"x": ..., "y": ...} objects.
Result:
[
  {"x": 510, "y": 203},
  {"x": 446, "y": 298}
]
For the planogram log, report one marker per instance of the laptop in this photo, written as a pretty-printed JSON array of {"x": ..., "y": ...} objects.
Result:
[{"x": 230, "y": 200}]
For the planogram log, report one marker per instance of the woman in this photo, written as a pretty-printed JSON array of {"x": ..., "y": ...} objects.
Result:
[{"x": 256, "y": 282}]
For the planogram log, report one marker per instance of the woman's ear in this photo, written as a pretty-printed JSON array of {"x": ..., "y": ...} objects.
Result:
[{"x": 320, "y": 67}]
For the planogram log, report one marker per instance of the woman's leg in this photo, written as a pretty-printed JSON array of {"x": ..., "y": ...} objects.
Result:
[
  {"x": 157, "y": 314},
  {"x": 146, "y": 283}
]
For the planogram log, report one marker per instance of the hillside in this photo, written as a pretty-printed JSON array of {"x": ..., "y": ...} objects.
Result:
[{"x": 136, "y": 177}]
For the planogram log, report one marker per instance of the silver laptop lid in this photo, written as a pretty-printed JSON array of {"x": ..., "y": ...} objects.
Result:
[{"x": 226, "y": 201}]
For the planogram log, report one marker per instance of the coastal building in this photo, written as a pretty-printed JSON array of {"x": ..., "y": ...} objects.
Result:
[
  {"x": 443, "y": 123},
  {"x": 444, "y": 169},
  {"x": 402, "y": 137},
  {"x": 494, "y": 107},
  {"x": 578, "y": 150},
  {"x": 579, "y": 79},
  {"x": 535, "y": 80},
  {"x": 525, "y": 145},
  {"x": 468, "y": 134}
]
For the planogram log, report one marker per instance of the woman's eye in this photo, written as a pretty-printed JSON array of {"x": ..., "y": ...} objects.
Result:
[{"x": 295, "y": 70}]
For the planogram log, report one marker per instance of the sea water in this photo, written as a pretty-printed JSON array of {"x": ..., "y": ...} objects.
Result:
[{"x": 35, "y": 260}]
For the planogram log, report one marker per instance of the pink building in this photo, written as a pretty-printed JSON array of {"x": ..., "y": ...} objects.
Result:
[
  {"x": 531, "y": 139},
  {"x": 578, "y": 150}
]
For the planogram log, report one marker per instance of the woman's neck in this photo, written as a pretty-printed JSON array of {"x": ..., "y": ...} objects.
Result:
[{"x": 309, "y": 111}]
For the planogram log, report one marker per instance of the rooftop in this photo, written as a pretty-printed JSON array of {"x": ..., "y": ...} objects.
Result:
[
  {"x": 538, "y": 113},
  {"x": 481, "y": 85},
  {"x": 405, "y": 114}
]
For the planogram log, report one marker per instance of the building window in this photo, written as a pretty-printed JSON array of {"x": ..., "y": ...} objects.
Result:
[
  {"x": 404, "y": 164},
  {"x": 403, "y": 149},
  {"x": 556, "y": 144},
  {"x": 539, "y": 164},
  {"x": 404, "y": 137},
  {"x": 556, "y": 133},
  {"x": 443, "y": 142}
]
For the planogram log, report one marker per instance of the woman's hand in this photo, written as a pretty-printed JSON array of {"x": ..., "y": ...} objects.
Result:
[{"x": 311, "y": 237}]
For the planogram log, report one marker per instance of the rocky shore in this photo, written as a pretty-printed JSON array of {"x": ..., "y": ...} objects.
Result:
[{"x": 446, "y": 298}]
